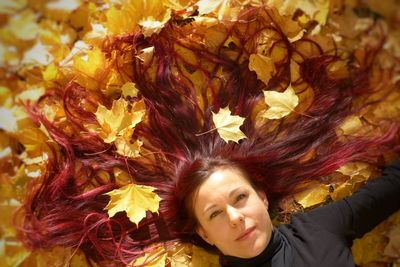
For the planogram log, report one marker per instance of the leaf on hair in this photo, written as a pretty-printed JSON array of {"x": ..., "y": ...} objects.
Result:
[
  {"x": 135, "y": 200},
  {"x": 280, "y": 104},
  {"x": 228, "y": 126}
]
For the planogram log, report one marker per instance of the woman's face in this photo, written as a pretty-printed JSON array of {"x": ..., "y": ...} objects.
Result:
[{"x": 232, "y": 215}]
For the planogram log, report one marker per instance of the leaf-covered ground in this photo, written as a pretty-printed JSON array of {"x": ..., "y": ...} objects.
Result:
[{"x": 44, "y": 44}]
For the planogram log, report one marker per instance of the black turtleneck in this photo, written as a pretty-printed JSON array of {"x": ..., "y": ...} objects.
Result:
[
  {"x": 278, "y": 253},
  {"x": 323, "y": 236}
]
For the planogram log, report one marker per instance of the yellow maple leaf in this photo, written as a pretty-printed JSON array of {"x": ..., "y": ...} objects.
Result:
[
  {"x": 281, "y": 104},
  {"x": 8, "y": 122},
  {"x": 117, "y": 120},
  {"x": 50, "y": 73},
  {"x": 12, "y": 6},
  {"x": 351, "y": 125},
  {"x": 122, "y": 20},
  {"x": 318, "y": 10},
  {"x": 150, "y": 25},
  {"x": 150, "y": 14},
  {"x": 91, "y": 63},
  {"x": 315, "y": 195},
  {"x": 201, "y": 257},
  {"x": 129, "y": 89},
  {"x": 38, "y": 54},
  {"x": 128, "y": 149},
  {"x": 145, "y": 55},
  {"x": 228, "y": 125},
  {"x": 263, "y": 66},
  {"x": 224, "y": 9},
  {"x": 114, "y": 83},
  {"x": 369, "y": 248},
  {"x": 135, "y": 200},
  {"x": 23, "y": 25},
  {"x": 357, "y": 169}
]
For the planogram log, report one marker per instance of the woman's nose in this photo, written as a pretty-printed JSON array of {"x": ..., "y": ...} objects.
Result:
[{"x": 235, "y": 216}]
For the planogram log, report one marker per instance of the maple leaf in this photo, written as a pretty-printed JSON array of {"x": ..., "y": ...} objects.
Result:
[
  {"x": 201, "y": 257},
  {"x": 23, "y": 25},
  {"x": 117, "y": 120},
  {"x": 228, "y": 125},
  {"x": 317, "y": 10},
  {"x": 65, "y": 5},
  {"x": 91, "y": 63},
  {"x": 129, "y": 89},
  {"x": 351, "y": 125},
  {"x": 128, "y": 149},
  {"x": 150, "y": 14},
  {"x": 150, "y": 25},
  {"x": 11, "y": 6},
  {"x": 316, "y": 194},
  {"x": 263, "y": 66},
  {"x": 50, "y": 73},
  {"x": 8, "y": 122},
  {"x": 39, "y": 53},
  {"x": 392, "y": 249},
  {"x": 281, "y": 104},
  {"x": 135, "y": 200},
  {"x": 222, "y": 8}
]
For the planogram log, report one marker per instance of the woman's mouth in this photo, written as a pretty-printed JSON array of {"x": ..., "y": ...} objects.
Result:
[{"x": 245, "y": 234}]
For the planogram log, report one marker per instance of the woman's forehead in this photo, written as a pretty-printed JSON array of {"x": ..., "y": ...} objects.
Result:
[
  {"x": 221, "y": 183},
  {"x": 226, "y": 176}
]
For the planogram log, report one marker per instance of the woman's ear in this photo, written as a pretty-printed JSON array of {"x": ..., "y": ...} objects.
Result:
[
  {"x": 202, "y": 233},
  {"x": 263, "y": 197}
]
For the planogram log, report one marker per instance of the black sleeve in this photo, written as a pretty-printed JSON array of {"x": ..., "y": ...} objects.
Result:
[{"x": 359, "y": 213}]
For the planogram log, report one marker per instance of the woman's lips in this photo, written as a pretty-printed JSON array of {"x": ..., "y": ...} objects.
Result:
[{"x": 245, "y": 234}]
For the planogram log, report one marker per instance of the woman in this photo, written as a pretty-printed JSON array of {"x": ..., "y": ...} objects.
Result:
[
  {"x": 183, "y": 81},
  {"x": 231, "y": 214}
]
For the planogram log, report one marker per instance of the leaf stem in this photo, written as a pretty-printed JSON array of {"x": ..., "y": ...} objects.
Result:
[{"x": 213, "y": 129}]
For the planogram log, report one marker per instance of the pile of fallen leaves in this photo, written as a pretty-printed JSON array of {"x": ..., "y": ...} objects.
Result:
[{"x": 44, "y": 44}]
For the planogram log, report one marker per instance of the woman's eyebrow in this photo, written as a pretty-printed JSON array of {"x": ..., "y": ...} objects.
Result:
[
  {"x": 230, "y": 195},
  {"x": 208, "y": 208},
  {"x": 234, "y": 191}
]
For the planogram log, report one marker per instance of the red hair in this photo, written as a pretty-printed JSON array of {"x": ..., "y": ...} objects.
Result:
[{"x": 66, "y": 207}]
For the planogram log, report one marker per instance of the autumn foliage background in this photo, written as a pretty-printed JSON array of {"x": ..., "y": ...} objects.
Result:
[{"x": 44, "y": 45}]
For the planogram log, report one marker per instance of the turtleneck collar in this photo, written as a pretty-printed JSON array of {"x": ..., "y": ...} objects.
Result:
[{"x": 277, "y": 253}]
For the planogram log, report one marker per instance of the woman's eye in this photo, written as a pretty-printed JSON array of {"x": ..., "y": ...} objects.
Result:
[
  {"x": 214, "y": 214},
  {"x": 240, "y": 197}
]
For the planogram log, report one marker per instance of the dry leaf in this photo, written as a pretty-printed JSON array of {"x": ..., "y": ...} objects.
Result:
[
  {"x": 11, "y": 6},
  {"x": 150, "y": 14},
  {"x": 8, "y": 122},
  {"x": 263, "y": 66},
  {"x": 392, "y": 249},
  {"x": 208, "y": 6},
  {"x": 350, "y": 126},
  {"x": 135, "y": 200},
  {"x": 129, "y": 89},
  {"x": 356, "y": 169},
  {"x": 281, "y": 104},
  {"x": 369, "y": 248},
  {"x": 202, "y": 258},
  {"x": 128, "y": 149},
  {"x": 317, "y": 194},
  {"x": 151, "y": 26},
  {"x": 90, "y": 64},
  {"x": 228, "y": 125},
  {"x": 23, "y": 25},
  {"x": 117, "y": 120},
  {"x": 39, "y": 54}
]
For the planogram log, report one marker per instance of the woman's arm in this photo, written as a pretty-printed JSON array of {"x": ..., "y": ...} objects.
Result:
[{"x": 359, "y": 213}]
